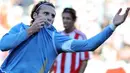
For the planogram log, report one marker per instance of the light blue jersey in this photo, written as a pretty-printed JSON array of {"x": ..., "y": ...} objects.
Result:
[{"x": 36, "y": 54}]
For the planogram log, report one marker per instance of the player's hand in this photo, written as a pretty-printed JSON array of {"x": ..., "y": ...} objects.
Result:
[
  {"x": 36, "y": 25},
  {"x": 118, "y": 19}
]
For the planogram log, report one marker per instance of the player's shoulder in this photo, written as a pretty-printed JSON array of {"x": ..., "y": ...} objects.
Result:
[
  {"x": 19, "y": 26},
  {"x": 80, "y": 33}
]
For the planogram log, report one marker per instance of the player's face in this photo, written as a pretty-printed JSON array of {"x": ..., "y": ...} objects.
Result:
[
  {"x": 47, "y": 13},
  {"x": 68, "y": 21}
]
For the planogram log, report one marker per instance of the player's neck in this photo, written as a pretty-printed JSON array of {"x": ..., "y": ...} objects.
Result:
[{"x": 69, "y": 30}]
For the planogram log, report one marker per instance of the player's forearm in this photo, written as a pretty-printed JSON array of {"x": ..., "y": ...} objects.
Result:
[
  {"x": 30, "y": 32},
  {"x": 10, "y": 40},
  {"x": 90, "y": 44},
  {"x": 83, "y": 66},
  {"x": 94, "y": 42}
]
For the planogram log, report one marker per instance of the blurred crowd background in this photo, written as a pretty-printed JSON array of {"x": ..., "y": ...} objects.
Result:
[{"x": 93, "y": 16}]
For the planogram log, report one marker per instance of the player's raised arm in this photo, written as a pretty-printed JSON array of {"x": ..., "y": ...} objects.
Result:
[{"x": 71, "y": 45}]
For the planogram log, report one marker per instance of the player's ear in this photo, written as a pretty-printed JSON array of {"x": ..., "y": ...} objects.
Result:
[{"x": 35, "y": 15}]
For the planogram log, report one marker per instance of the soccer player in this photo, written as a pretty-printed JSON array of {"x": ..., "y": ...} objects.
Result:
[
  {"x": 71, "y": 62},
  {"x": 34, "y": 48}
]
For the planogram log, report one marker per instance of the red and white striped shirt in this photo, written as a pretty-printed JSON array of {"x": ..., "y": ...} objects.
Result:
[{"x": 70, "y": 62}]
